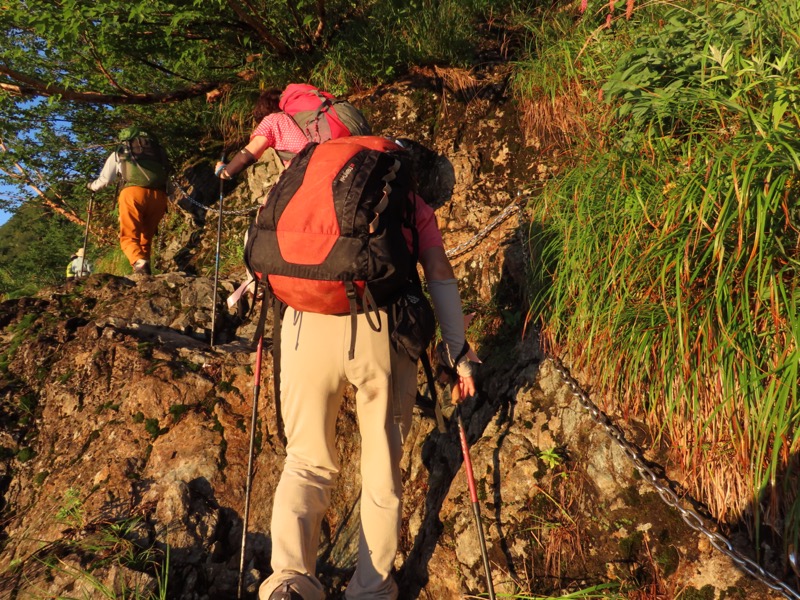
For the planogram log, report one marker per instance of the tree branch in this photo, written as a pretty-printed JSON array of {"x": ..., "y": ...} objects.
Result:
[
  {"x": 102, "y": 68},
  {"x": 47, "y": 201},
  {"x": 69, "y": 216},
  {"x": 24, "y": 85},
  {"x": 276, "y": 44},
  {"x": 164, "y": 70},
  {"x": 321, "y": 20}
]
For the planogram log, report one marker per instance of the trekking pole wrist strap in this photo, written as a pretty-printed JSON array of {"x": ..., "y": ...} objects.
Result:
[
  {"x": 239, "y": 163},
  {"x": 456, "y": 367}
]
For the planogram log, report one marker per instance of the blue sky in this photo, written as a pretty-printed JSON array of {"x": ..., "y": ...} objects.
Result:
[{"x": 4, "y": 216}]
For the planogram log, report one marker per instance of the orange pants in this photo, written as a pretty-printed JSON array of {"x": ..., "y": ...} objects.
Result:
[{"x": 140, "y": 211}]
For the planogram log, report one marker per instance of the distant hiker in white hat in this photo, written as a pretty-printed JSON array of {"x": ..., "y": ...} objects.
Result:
[{"x": 78, "y": 266}]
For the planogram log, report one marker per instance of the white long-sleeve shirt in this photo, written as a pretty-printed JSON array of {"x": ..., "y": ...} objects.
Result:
[{"x": 108, "y": 175}]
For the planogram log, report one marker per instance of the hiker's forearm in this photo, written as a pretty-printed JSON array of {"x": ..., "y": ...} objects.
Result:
[
  {"x": 107, "y": 175},
  {"x": 447, "y": 306},
  {"x": 443, "y": 288},
  {"x": 243, "y": 159}
]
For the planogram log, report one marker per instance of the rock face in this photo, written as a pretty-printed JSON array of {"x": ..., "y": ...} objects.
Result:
[{"x": 125, "y": 438}]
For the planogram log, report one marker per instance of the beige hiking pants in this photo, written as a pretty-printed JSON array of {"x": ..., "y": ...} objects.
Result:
[{"x": 314, "y": 371}]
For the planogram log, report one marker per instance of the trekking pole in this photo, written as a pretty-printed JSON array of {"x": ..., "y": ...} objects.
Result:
[
  {"x": 473, "y": 494},
  {"x": 249, "y": 479},
  {"x": 216, "y": 261},
  {"x": 86, "y": 233}
]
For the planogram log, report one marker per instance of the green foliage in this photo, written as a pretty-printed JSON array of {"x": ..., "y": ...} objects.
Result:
[
  {"x": 20, "y": 333},
  {"x": 231, "y": 254},
  {"x": 99, "y": 545},
  {"x": 152, "y": 427},
  {"x": 551, "y": 457},
  {"x": 177, "y": 411},
  {"x": 113, "y": 261},
  {"x": 25, "y": 454},
  {"x": 669, "y": 252},
  {"x": 713, "y": 64},
  {"x": 554, "y": 80},
  {"x": 71, "y": 512},
  {"x": 35, "y": 248},
  {"x": 602, "y": 590}
]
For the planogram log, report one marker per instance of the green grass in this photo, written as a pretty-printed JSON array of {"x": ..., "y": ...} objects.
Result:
[
  {"x": 87, "y": 548},
  {"x": 113, "y": 261},
  {"x": 607, "y": 591},
  {"x": 666, "y": 253}
]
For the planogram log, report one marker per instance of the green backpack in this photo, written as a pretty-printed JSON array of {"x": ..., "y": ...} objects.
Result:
[{"x": 142, "y": 159}]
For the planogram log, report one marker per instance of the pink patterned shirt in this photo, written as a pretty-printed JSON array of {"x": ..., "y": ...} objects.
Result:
[{"x": 282, "y": 133}]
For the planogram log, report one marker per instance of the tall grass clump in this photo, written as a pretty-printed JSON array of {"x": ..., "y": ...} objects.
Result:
[
  {"x": 667, "y": 257},
  {"x": 554, "y": 80}
]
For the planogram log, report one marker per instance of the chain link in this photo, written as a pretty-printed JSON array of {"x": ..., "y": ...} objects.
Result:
[
  {"x": 509, "y": 210},
  {"x": 668, "y": 495},
  {"x": 243, "y": 211}
]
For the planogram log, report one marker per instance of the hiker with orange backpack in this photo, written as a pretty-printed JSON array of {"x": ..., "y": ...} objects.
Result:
[
  {"x": 337, "y": 243},
  {"x": 289, "y": 120}
]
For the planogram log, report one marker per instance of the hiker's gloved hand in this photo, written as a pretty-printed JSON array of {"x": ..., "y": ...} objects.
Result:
[
  {"x": 219, "y": 170},
  {"x": 462, "y": 383}
]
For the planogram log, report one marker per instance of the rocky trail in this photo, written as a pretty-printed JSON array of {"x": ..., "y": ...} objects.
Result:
[{"x": 124, "y": 438}]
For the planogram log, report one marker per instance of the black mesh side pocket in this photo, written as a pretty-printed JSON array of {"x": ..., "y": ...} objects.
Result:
[{"x": 413, "y": 323}]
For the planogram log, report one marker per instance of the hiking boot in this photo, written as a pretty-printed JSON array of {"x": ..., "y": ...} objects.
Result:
[
  {"x": 285, "y": 593},
  {"x": 141, "y": 267}
]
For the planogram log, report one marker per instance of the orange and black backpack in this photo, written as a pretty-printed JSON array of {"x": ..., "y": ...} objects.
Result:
[{"x": 329, "y": 239}]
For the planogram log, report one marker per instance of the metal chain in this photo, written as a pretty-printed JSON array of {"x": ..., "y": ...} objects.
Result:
[
  {"x": 478, "y": 237},
  {"x": 689, "y": 515},
  {"x": 243, "y": 211},
  {"x": 462, "y": 248}
]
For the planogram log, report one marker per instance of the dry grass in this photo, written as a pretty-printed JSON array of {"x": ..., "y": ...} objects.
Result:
[{"x": 559, "y": 121}]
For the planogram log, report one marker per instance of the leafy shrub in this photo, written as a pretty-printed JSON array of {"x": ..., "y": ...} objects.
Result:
[{"x": 25, "y": 454}]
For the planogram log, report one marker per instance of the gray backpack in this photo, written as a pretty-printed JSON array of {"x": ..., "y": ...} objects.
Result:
[{"x": 320, "y": 115}]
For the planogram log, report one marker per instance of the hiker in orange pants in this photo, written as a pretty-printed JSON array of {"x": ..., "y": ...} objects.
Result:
[
  {"x": 142, "y": 164},
  {"x": 140, "y": 211}
]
